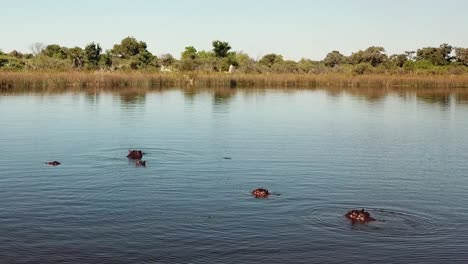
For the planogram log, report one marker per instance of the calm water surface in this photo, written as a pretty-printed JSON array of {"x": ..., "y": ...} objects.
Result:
[{"x": 401, "y": 155}]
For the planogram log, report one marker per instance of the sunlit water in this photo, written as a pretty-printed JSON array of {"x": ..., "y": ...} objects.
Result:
[{"x": 401, "y": 155}]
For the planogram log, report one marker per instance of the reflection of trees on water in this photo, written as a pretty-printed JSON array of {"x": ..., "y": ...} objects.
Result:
[
  {"x": 92, "y": 97},
  {"x": 190, "y": 93},
  {"x": 442, "y": 97},
  {"x": 132, "y": 98},
  {"x": 371, "y": 95},
  {"x": 222, "y": 98},
  {"x": 461, "y": 98},
  {"x": 435, "y": 98}
]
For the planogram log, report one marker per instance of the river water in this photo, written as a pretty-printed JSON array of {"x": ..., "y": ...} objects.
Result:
[{"x": 402, "y": 155}]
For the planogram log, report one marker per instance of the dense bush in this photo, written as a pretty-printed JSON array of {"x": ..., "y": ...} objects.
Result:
[{"x": 131, "y": 54}]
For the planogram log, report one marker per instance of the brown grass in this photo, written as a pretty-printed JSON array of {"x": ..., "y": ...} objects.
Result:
[{"x": 25, "y": 81}]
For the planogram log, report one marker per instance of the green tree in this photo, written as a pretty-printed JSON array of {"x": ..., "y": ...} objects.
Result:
[
  {"x": 190, "y": 53},
  {"x": 15, "y": 54},
  {"x": 271, "y": 59},
  {"x": 374, "y": 55},
  {"x": 76, "y": 55},
  {"x": 437, "y": 56},
  {"x": 92, "y": 54},
  {"x": 221, "y": 48},
  {"x": 334, "y": 58},
  {"x": 129, "y": 47},
  {"x": 287, "y": 66},
  {"x": 245, "y": 63},
  {"x": 55, "y": 51},
  {"x": 398, "y": 59},
  {"x": 167, "y": 60},
  {"x": 461, "y": 55},
  {"x": 3, "y": 60},
  {"x": 145, "y": 58},
  {"x": 307, "y": 65},
  {"x": 105, "y": 60}
]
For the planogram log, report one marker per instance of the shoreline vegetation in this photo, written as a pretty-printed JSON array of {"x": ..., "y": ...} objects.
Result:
[
  {"x": 130, "y": 64},
  {"x": 120, "y": 80}
]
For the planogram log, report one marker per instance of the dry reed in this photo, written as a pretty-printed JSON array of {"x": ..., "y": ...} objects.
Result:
[{"x": 81, "y": 80}]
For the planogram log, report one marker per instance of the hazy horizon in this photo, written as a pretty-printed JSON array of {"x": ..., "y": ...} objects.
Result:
[{"x": 295, "y": 29}]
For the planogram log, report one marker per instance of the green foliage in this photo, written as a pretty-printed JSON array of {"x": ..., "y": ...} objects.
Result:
[
  {"x": 131, "y": 54},
  {"x": 76, "y": 55},
  {"x": 334, "y": 58},
  {"x": 3, "y": 60},
  {"x": 423, "y": 65},
  {"x": 105, "y": 60},
  {"x": 287, "y": 66},
  {"x": 16, "y": 54},
  {"x": 92, "y": 55},
  {"x": 307, "y": 66},
  {"x": 10, "y": 63},
  {"x": 271, "y": 59},
  {"x": 461, "y": 55},
  {"x": 145, "y": 58},
  {"x": 221, "y": 48},
  {"x": 43, "y": 62},
  {"x": 205, "y": 54},
  {"x": 437, "y": 56},
  {"x": 128, "y": 47},
  {"x": 246, "y": 64},
  {"x": 362, "y": 68},
  {"x": 398, "y": 60},
  {"x": 190, "y": 53},
  {"x": 55, "y": 51},
  {"x": 372, "y": 55},
  {"x": 167, "y": 60}
]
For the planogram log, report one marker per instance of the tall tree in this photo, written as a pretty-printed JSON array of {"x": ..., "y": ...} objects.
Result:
[
  {"x": 461, "y": 55},
  {"x": 334, "y": 58},
  {"x": 437, "y": 56},
  {"x": 92, "y": 54},
  {"x": 271, "y": 59},
  {"x": 167, "y": 59},
  {"x": 398, "y": 59},
  {"x": 76, "y": 55},
  {"x": 374, "y": 55},
  {"x": 221, "y": 48},
  {"x": 55, "y": 51},
  {"x": 190, "y": 53},
  {"x": 129, "y": 47}
]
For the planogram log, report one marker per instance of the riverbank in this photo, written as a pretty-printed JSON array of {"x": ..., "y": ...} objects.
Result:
[{"x": 43, "y": 80}]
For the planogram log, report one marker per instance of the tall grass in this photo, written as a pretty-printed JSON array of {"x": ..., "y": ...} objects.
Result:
[{"x": 120, "y": 80}]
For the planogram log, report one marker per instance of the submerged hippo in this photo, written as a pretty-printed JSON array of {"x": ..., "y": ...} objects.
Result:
[
  {"x": 359, "y": 216},
  {"x": 135, "y": 154},
  {"x": 53, "y": 163},
  {"x": 260, "y": 193},
  {"x": 140, "y": 163}
]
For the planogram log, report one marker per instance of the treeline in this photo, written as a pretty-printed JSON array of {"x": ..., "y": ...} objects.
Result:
[{"x": 133, "y": 55}]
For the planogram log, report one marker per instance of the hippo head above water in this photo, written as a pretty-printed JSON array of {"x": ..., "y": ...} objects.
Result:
[
  {"x": 140, "y": 163},
  {"x": 135, "y": 154},
  {"x": 53, "y": 163},
  {"x": 260, "y": 193},
  {"x": 359, "y": 216}
]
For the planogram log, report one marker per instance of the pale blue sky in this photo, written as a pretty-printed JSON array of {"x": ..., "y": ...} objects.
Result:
[{"x": 294, "y": 28}]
